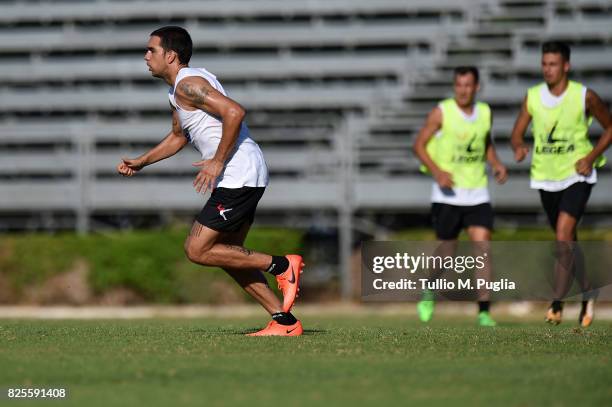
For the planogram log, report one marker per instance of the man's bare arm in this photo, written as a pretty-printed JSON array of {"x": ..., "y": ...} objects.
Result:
[
  {"x": 499, "y": 169},
  {"x": 197, "y": 93},
  {"x": 432, "y": 125},
  {"x": 518, "y": 133},
  {"x": 170, "y": 145},
  {"x": 597, "y": 108}
]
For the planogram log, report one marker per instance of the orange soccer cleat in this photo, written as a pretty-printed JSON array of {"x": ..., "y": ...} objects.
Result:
[
  {"x": 289, "y": 280},
  {"x": 276, "y": 329},
  {"x": 553, "y": 317},
  {"x": 586, "y": 314}
]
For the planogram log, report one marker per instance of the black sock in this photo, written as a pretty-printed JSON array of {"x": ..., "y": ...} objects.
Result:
[
  {"x": 278, "y": 266},
  {"x": 557, "y": 306},
  {"x": 284, "y": 318},
  {"x": 484, "y": 306}
]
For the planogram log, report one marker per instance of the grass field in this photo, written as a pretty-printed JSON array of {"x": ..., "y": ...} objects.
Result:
[{"x": 354, "y": 360}]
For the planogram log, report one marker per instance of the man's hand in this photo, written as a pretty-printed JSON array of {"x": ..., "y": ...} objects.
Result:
[
  {"x": 444, "y": 179},
  {"x": 129, "y": 166},
  {"x": 500, "y": 173},
  {"x": 520, "y": 153},
  {"x": 208, "y": 174},
  {"x": 584, "y": 166}
]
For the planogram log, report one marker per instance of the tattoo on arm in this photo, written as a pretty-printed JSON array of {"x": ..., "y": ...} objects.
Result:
[
  {"x": 176, "y": 127},
  {"x": 196, "y": 94},
  {"x": 240, "y": 249}
]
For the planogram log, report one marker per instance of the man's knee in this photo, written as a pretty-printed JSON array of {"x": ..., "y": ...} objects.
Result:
[
  {"x": 479, "y": 234},
  {"x": 565, "y": 234},
  {"x": 566, "y": 227},
  {"x": 196, "y": 252}
]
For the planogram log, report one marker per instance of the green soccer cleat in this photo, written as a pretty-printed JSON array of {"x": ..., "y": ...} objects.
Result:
[
  {"x": 484, "y": 319},
  {"x": 425, "y": 307}
]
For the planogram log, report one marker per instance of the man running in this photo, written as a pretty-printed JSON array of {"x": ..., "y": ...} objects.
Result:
[
  {"x": 563, "y": 161},
  {"x": 232, "y": 166},
  {"x": 454, "y": 145}
]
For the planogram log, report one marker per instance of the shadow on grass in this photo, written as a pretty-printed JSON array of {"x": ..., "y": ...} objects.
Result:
[
  {"x": 251, "y": 330},
  {"x": 243, "y": 331}
]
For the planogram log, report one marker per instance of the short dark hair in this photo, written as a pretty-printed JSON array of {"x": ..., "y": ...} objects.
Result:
[
  {"x": 463, "y": 70},
  {"x": 556, "y": 47},
  {"x": 177, "y": 39}
]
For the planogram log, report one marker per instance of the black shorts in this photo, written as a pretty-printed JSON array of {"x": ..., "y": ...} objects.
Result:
[
  {"x": 228, "y": 209},
  {"x": 572, "y": 200},
  {"x": 448, "y": 220}
]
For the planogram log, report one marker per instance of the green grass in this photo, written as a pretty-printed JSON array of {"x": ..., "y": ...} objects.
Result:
[{"x": 356, "y": 360}]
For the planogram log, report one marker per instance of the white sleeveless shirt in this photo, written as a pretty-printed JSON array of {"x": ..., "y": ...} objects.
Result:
[{"x": 246, "y": 165}]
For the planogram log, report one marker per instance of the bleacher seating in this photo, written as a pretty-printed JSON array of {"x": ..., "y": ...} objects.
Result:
[{"x": 335, "y": 91}]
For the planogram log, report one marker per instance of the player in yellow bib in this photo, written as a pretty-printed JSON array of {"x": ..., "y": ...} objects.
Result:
[
  {"x": 564, "y": 162},
  {"x": 454, "y": 146}
]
